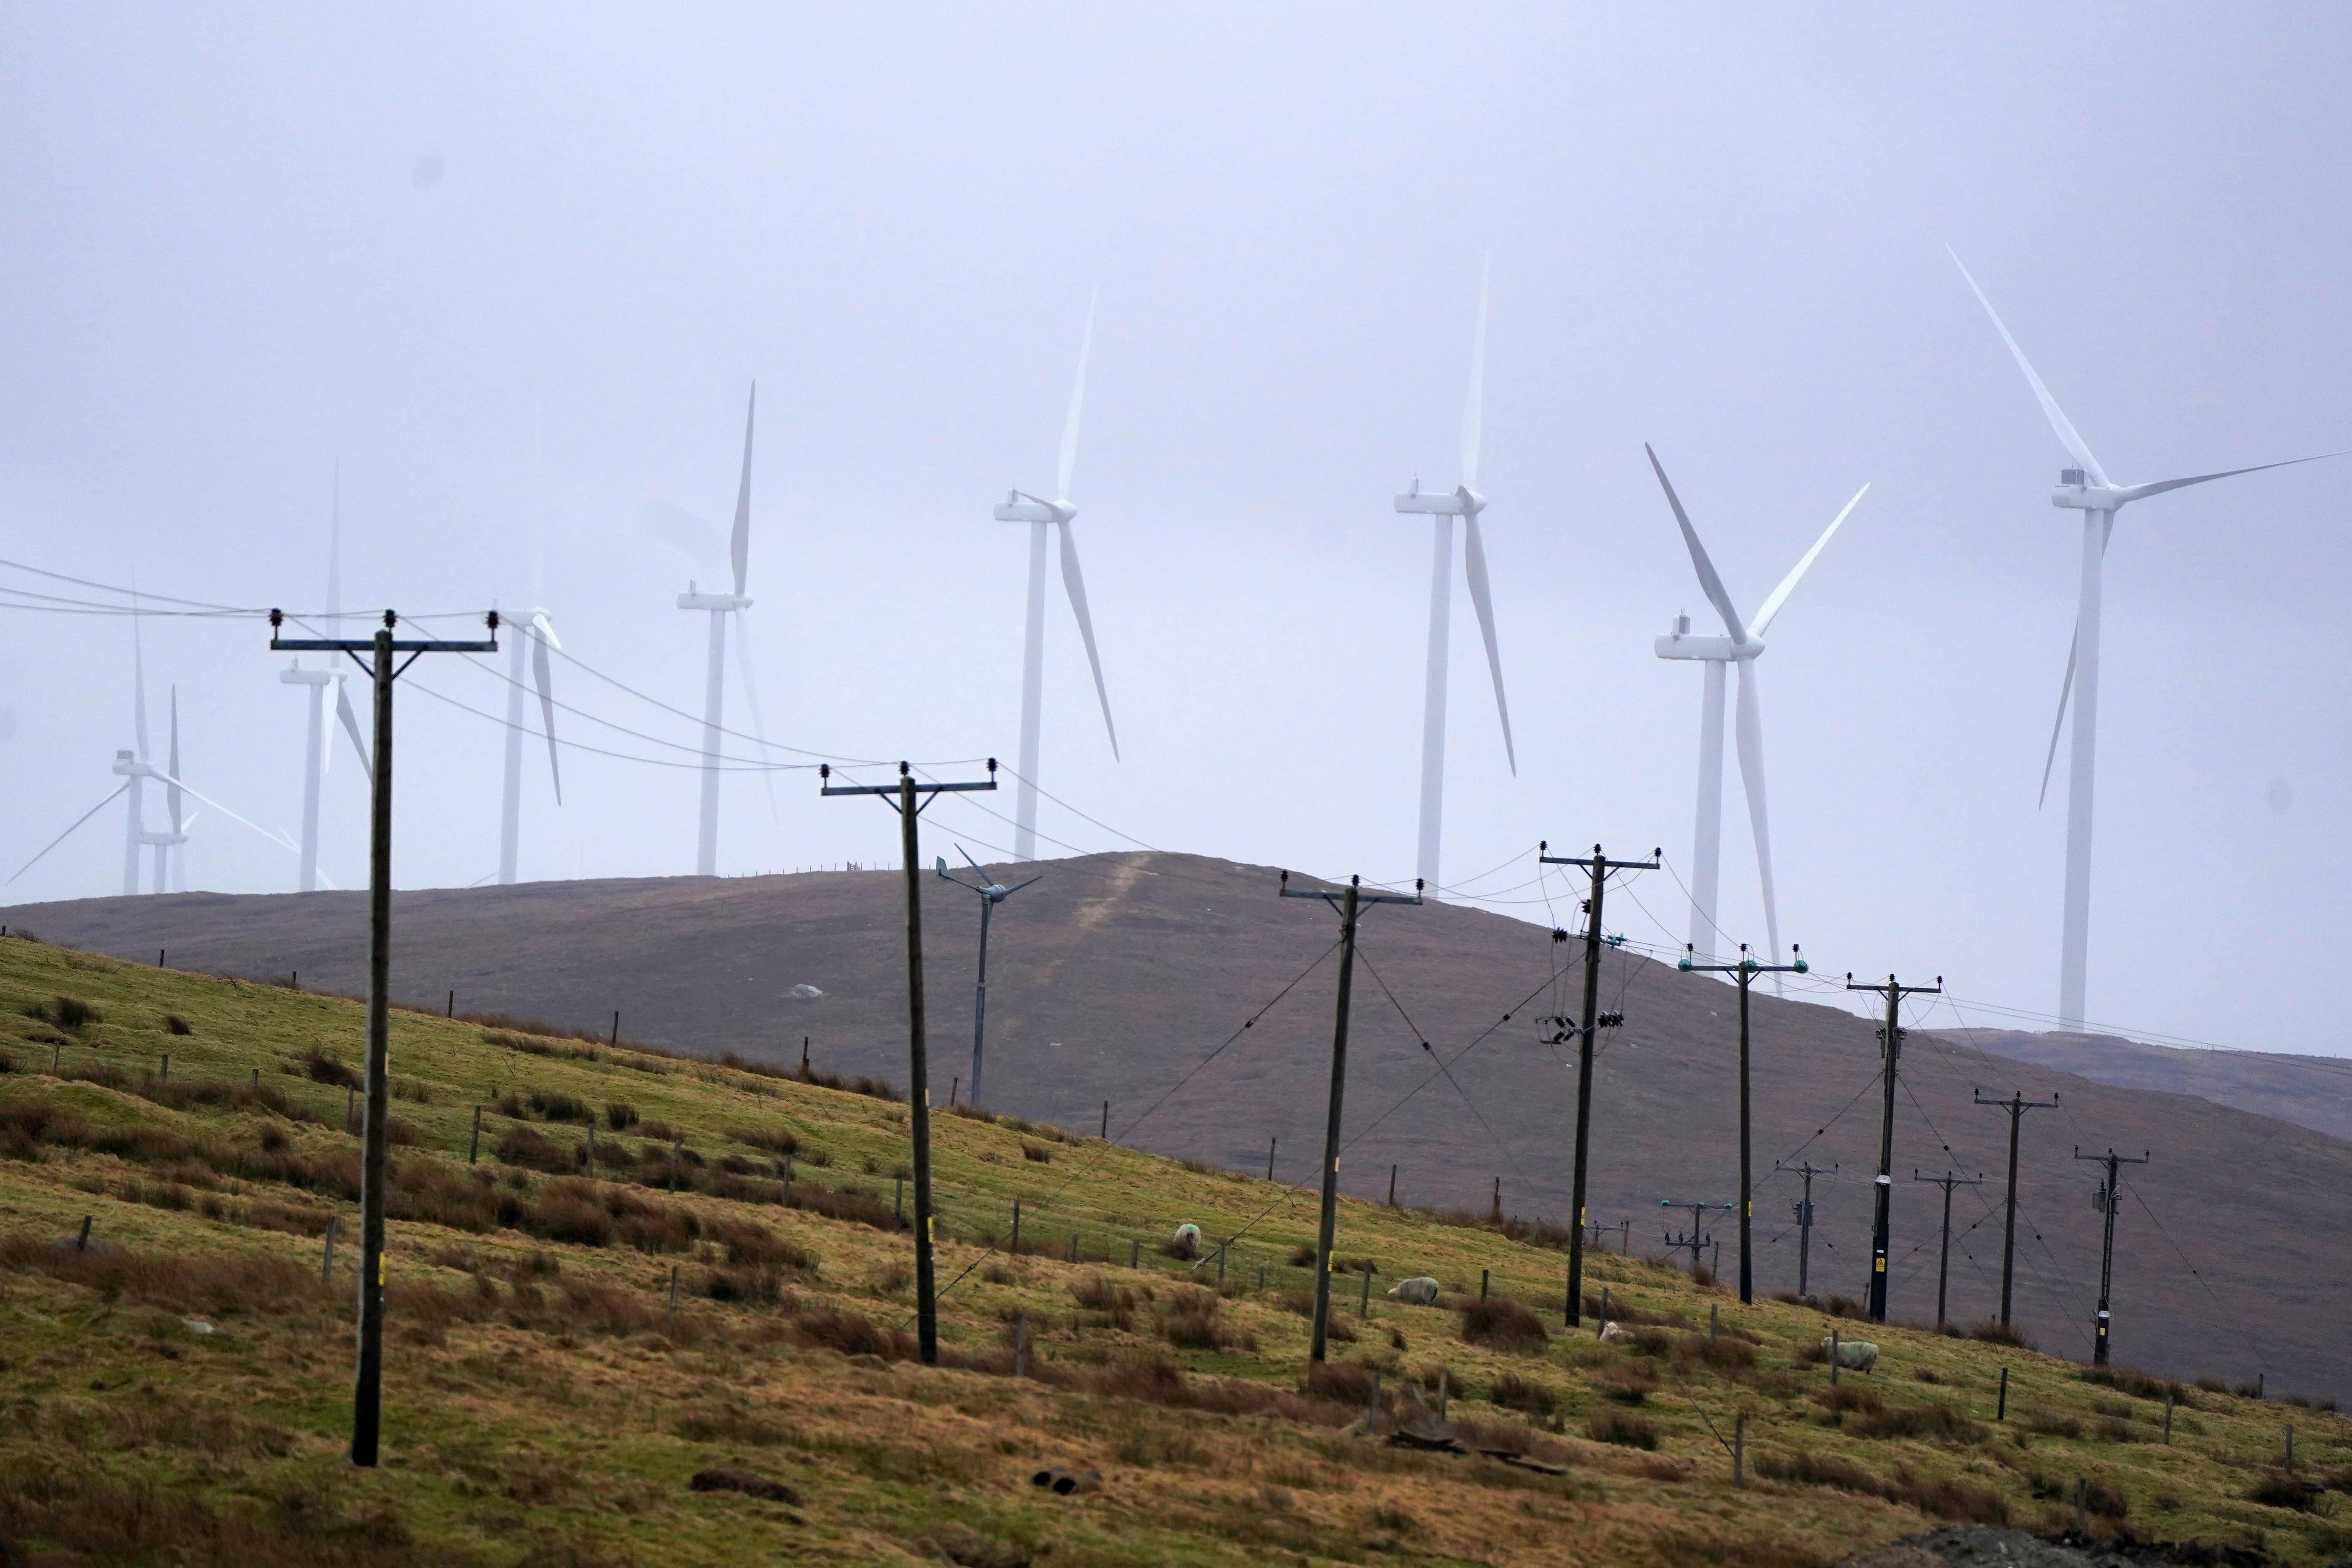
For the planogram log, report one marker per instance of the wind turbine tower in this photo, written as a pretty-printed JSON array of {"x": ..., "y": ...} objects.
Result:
[
  {"x": 2087, "y": 489},
  {"x": 714, "y": 695},
  {"x": 1740, "y": 644},
  {"x": 1044, "y": 517},
  {"x": 315, "y": 751},
  {"x": 1464, "y": 502},
  {"x": 538, "y": 633}
]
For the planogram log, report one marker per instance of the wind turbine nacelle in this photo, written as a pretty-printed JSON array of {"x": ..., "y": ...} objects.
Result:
[
  {"x": 1720, "y": 649},
  {"x": 713, "y": 602},
  {"x": 1033, "y": 511},
  {"x": 1459, "y": 501},
  {"x": 2072, "y": 492},
  {"x": 298, "y": 676},
  {"x": 130, "y": 767}
]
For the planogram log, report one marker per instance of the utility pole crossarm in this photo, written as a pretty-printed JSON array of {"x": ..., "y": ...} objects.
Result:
[{"x": 1362, "y": 898}]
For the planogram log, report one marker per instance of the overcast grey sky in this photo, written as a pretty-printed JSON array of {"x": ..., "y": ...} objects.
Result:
[{"x": 248, "y": 243}]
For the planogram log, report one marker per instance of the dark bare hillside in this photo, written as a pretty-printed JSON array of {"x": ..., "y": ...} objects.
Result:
[
  {"x": 2310, "y": 1091},
  {"x": 1117, "y": 975}
]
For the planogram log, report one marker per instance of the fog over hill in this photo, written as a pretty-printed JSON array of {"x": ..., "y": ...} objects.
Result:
[{"x": 1116, "y": 976}]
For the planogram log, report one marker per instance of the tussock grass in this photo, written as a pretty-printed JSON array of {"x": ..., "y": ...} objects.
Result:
[{"x": 545, "y": 1388}]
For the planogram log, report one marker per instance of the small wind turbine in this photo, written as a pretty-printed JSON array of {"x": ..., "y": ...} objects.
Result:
[
  {"x": 2087, "y": 489},
  {"x": 135, "y": 769},
  {"x": 1042, "y": 517},
  {"x": 1464, "y": 502},
  {"x": 316, "y": 753},
  {"x": 714, "y": 699},
  {"x": 1743, "y": 643},
  {"x": 991, "y": 895}
]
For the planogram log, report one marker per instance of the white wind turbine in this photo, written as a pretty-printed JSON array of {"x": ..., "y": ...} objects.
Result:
[
  {"x": 136, "y": 770},
  {"x": 1464, "y": 502},
  {"x": 1044, "y": 517},
  {"x": 721, "y": 605},
  {"x": 1743, "y": 641},
  {"x": 316, "y": 753},
  {"x": 2087, "y": 490},
  {"x": 535, "y": 631}
]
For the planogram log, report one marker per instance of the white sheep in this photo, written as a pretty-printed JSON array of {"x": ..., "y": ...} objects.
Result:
[
  {"x": 1418, "y": 1292},
  {"x": 1187, "y": 1239},
  {"x": 1855, "y": 1355},
  {"x": 1612, "y": 1333}
]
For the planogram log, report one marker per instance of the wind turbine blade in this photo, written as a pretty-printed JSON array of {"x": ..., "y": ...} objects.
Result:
[
  {"x": 335, "y": 552},
  {"x": 967, "y": 857},
  {"x": 1789, "y": 584},
  {"x": 744, "y": 664},
  {"x": 2135, "y": 493},
  {"x": 1709, "y": 582},
  {"x": 1473, "y": 407},
  {"x": 2068, "y": 437},
  {"x": 1482, "y": 599},
  {"x": 739, "y": 547},
  {"x": 1069, "y": 459},
  {"x": 1748, "y": 728},
  {"x": 2066, "y": 691},
  {"x": 1018, "y": 885},
  {"x": 352, "y": 727},
  {"x": 278, "y": 840},
  {"x": 138, "y": 671},
  {"x": 61, "y": 838},
  {"x": 172, "y": 793},
  {"x": 1076, "y": 583},
  {"x": 539, "y": 677}
]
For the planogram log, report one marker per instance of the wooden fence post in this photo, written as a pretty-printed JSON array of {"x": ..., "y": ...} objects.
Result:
[
  {"x": 326, "y": 1262},
  {"x": 2002, "y": 1412}
]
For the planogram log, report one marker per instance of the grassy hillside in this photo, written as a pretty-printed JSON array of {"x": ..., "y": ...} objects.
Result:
[{"x": 180, "y": 1393}]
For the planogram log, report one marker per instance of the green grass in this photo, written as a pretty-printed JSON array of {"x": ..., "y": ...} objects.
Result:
[{"x": 544, "y": 1405}]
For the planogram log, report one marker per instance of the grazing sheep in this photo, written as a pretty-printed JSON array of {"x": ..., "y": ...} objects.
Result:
[
  {"x": 1418, "y": 1292},
  {"x": 1616, "y": 1334},
  {"x": 1187, "y": 1239},
  {"x": 1855, "y": 1355}
]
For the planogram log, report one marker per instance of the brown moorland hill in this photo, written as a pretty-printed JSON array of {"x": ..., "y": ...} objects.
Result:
[
  {"x": 1117, "y": 976},
  {"x": 2309, "y": 1091}
]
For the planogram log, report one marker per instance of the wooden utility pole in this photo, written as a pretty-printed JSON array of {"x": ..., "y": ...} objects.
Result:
[
  {"x": 1599, "y": 866},
  {"x": 1694, "y": 1243},
  {"x": 2109, "y": 1200},
  {"x": 1944, "y": 1255},
  {"x": 2017, "y": 1105},
  {"x": 1350, "y": 904},
  {"x": 901, "y": 798},
  {"x": 367, "y": 1381},
  {"x": 1890, "y": 1038},
  {"x": 1745, "y": 972},
  {"x": 1804, "y": 1217}
]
